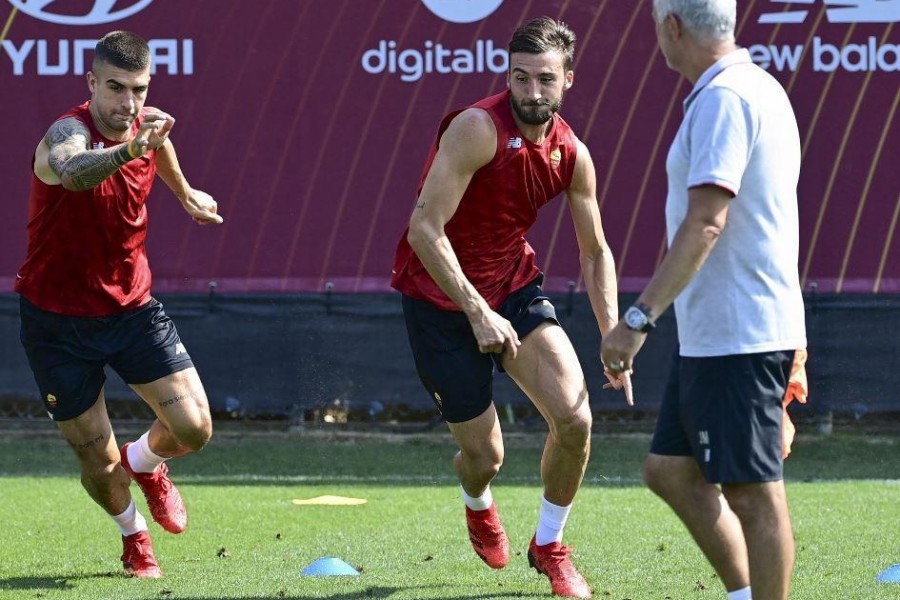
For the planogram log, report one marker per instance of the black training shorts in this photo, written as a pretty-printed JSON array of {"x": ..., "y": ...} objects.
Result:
[
  {"x": 458, "y": 377},
  {"x": 67, "y": 354},
  {"x": 726, "y": 412}
]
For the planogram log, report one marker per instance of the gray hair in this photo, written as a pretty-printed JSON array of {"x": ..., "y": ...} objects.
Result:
[{"x": 707, "y": 20}]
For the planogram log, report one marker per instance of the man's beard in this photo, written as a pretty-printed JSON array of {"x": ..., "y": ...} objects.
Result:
[{"x": 536, "y": 114}]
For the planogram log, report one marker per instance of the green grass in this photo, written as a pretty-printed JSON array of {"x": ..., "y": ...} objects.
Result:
[{"x": 409, "y": 540}]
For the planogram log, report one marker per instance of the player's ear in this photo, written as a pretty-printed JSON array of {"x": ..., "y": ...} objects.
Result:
[
  {"x": 570, "y": 79},
  {"x": 91, "y": 80}
]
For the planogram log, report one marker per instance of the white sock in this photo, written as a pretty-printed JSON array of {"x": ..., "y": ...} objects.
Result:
[
  {"x": 130, "y": 521},
  {"x": 741, "y": 594},
  {"x": 141, "y": 458},
  {"x": 483, "y": 502},
  {"x": 551, "y": 523}
]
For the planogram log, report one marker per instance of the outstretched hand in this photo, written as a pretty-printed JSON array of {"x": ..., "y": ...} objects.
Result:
[
  {"x": 201, "y": 206},
  {"x": 153, "y": 133}
]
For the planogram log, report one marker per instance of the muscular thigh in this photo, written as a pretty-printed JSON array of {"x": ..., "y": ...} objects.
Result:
[
  {"x": 91, "y": 437},
  {"x": 178, "y": 400},
  {"x": 547, "y": 369}
]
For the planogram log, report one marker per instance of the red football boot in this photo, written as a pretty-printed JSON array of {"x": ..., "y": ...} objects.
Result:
[
  {"x": 138, "y": 559},
  {"x": 163, "y": 499},
  {"x": 487, "y": 536},
  {"x": 553, "y": 561}
]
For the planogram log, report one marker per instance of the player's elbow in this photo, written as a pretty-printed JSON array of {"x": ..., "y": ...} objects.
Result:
[
  {"x": 420, "y": 235},
  {"x": 71, "y": 184}
]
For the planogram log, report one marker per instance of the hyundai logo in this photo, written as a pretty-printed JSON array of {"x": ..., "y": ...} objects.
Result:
[{"x": 103, "y": 11}]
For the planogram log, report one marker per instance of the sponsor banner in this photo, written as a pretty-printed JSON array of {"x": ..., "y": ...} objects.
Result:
[{"x": 309, "y": 122}]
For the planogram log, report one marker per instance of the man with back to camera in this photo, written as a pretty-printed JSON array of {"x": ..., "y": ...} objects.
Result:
[
  {"x": 731, "y": 270},
  {"x": 85, "y": 294},
  {"x": 472, "y": 294}
]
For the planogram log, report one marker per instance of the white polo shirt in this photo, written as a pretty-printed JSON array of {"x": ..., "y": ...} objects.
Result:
[{"x": 739, "y": 133}]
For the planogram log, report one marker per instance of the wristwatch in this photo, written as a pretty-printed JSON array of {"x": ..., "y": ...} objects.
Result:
[{"x": 637, "y": 318}]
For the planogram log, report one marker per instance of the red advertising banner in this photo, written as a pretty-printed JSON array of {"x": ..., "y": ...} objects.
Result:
[{"x": 309, "y": 121}]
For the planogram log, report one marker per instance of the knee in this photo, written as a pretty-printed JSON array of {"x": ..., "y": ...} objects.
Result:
[
  {"x": 483, "y": 464},
  {"x": 488, "y": 464},
  {"x": 101, "y": 473},
  {"x": 664, "y": 477},
  {"x": 749, "y": 501},
  {"x": 574, "y": 433},
  {"x": 654, "y": 475},
  {"x": 197, "y": 436}
]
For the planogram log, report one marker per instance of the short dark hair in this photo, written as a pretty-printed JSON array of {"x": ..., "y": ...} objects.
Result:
[
  {"x": 544, "y": 35},
  {"x": 124, "y": 50}
]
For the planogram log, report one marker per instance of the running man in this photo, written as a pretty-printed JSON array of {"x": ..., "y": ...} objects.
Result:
[
  {"x": 472, "y": 293},
  {"x": 85, "y": 294}
]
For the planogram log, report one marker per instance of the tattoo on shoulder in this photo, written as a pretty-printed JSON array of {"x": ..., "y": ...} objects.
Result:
[
  {"x": 68, "y": 131},
  {"x": 72, "y": 160},
  {"x": 420, "y": 204}
]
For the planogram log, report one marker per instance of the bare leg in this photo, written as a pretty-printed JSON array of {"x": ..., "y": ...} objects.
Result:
[
  {"x": 480, "y": 451},
  {"x": 705, "y": 512},
  {"x": 548, "y": 371},
  {"x": 183, "y": 422},
  {"x": 91, "y": 437},
  {"x": 763, "y": 511}
]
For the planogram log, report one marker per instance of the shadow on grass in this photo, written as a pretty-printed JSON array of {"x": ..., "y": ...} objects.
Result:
[
  {"x": 372, "y": 592},
  {"x": 61, "y": 582}
]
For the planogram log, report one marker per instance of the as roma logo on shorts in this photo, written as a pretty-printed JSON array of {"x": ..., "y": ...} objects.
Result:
[
  {"x": 555, "y": 157},
  {"x": 51, "y": 400}
]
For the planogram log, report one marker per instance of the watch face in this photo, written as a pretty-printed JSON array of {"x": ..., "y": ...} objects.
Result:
[{"x": 635, "y": 319}]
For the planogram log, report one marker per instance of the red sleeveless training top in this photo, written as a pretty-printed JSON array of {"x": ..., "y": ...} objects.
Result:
[
  {"x": 497, "y": 209},
  {"x": 86, "y": 254}
]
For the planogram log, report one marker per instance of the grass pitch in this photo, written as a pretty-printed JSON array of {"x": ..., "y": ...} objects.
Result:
[{"x": 247, "y": 540}]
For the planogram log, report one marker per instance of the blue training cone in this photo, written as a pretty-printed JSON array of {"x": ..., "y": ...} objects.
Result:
[
  {"x": 328, "y": 565},
  {"x": 889, "y": 575}
]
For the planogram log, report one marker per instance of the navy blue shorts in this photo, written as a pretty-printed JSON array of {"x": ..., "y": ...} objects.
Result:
[
  {"x": 457, "y": 376},
  {"x": 726, "y": 412},
  {"x": 67, "y": 354}
]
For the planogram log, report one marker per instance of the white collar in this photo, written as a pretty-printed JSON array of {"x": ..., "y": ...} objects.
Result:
[{"x": 735, "y": 57}]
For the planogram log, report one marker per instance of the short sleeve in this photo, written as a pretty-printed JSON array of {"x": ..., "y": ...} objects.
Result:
[{"x": 721, "y": 139}]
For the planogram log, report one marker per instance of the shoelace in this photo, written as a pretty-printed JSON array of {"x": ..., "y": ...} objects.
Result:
[
  {"x": 559, "y": 558},
  {"x": 136, "y": 549},
  {"x": 159, "y": 478},
  {"x": 488, "y": 529}
]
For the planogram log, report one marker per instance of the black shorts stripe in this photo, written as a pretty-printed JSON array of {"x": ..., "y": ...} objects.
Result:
[{"x": 727, "y": 413}]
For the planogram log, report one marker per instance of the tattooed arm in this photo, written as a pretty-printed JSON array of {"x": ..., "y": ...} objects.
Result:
[{"x": 71, "y": 161}]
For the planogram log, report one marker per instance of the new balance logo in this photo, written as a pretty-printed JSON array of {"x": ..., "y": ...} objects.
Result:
[
  {"x": 839, "y": 11},
  {"x": 514, "y": 142},
  {"x": 180, "y": 349},
  {"x": 704, "y": 438}
]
